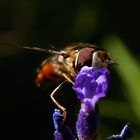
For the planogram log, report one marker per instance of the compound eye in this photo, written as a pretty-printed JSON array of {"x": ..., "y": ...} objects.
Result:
[{"x": 84, "y": 58}]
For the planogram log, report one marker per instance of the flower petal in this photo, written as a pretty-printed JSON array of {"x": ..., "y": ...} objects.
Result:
[{"x": 91, "y": 84}]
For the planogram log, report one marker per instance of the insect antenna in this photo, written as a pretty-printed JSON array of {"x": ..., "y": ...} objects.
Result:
[{"x": 34, "y": 49}]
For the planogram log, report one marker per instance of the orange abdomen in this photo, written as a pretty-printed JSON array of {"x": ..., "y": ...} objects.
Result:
[{"x": 46, "y": 74}]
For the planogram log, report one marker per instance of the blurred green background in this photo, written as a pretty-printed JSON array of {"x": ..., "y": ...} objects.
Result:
[{"x": 26, "y": 110}]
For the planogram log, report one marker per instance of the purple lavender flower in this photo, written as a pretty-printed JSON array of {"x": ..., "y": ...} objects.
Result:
[
  {"x": 125, "y": 133},
  {"x": 90, "y": 85},
  {"x": 87, "y": 124},
  {"x": 62, "y": 132}
]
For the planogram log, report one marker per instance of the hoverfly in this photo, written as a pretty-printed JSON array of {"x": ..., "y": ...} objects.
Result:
[{"x": 65, "y": 64}]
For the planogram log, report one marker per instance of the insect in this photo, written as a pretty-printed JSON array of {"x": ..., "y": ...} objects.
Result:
[{"x": 65, "y": 64}]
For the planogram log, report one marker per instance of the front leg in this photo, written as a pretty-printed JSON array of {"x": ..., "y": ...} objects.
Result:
[{"x": 56, "y": 102}]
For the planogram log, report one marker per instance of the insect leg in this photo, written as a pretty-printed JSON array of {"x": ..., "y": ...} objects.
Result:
[
  {"x": 56, "y": 102},
  {"x": 67, "y": 78}
]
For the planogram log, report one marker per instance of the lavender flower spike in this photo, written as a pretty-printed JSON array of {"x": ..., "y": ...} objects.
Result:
[
  {"x": 87, "y": 124},
  {"x": 61, "y": 132},
  {"x": 90, "y": 85}
]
